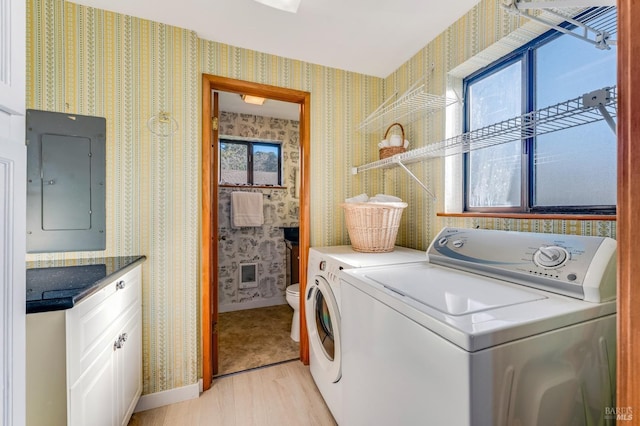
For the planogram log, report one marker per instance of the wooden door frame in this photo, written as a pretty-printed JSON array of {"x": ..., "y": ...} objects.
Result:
[
  {"x": 209, "y": 219},
  {"x": 628, "y": 214}
]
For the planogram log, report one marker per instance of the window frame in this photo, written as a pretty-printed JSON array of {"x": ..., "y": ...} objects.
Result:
[
  {"x": 250, "y": 143},
  {"x": 526, "y": 54},
  {"x": 517, "y": 55}
]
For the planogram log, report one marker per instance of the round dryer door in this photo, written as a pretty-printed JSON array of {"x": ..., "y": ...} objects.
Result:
[{"x": 323, "y": 325}]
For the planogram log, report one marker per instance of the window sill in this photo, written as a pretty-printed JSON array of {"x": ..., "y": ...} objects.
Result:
[
  {"x": 226, "y": 185},
  {"x": 538, "y": 216}
]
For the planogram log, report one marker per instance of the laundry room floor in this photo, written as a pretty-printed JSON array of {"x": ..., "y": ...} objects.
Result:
[
  {"x": 255, "y": 337},
  {"x": 281, "y": 395}
]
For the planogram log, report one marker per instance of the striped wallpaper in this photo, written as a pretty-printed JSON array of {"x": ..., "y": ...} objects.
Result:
[
  {"x": 339, "y": 100},
  {"x": 88, "y": 61}
]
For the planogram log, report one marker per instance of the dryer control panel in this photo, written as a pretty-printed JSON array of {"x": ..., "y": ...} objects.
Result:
[{"x": 577, "y": 266}]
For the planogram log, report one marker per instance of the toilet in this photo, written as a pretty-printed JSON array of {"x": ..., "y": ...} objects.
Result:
[{"x": 293, "y": 298}]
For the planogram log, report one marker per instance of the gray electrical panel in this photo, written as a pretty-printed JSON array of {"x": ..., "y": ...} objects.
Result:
[{"x": 66, "y": 162}]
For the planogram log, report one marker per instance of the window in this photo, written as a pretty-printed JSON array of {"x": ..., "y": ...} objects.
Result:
[
  {"x": 573, "y": 170},
  {"x": 250, "y": 163}
]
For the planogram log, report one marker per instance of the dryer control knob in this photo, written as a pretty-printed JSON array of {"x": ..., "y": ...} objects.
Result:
[
  {"x": 550, "y": 256},
  {"x": 323, "y": 265}
]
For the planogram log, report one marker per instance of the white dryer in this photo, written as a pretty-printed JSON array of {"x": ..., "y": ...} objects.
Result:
[
  {"x": 323, "y": 311},
  {"x": 495, "y": 328}
]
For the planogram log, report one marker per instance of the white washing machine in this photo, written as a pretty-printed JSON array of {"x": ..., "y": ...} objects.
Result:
[
  {"x": 495, "y": 328},
  {"x": 323, "y": 311}
]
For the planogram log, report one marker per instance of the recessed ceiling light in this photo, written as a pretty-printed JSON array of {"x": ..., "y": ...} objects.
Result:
[
  {"x": 254, "y": 100},
  {"x": 286, "y": 5}
]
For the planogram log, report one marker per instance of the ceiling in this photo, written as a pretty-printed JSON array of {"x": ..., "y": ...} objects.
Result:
[
  {"x": 372, "y": 37},
  {"x": 232, "y": 102}
]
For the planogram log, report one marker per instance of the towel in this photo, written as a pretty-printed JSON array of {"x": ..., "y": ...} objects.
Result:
[
  {"x": 383, "y": 198},
  {"x": 246, "y": 209},
  {"x": 362, "y": 198}
]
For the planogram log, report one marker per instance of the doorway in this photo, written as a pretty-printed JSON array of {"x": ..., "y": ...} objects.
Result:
[
  {"x": 259, "y": 151},
  {"x": 210, "y": 190}
]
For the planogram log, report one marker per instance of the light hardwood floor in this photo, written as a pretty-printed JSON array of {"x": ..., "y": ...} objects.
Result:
[{"x": 280, "y": 395}]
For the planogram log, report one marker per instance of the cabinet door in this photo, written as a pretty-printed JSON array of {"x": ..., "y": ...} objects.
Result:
[
  {"x": 92, "y": 399},
  {"x": 88, "y": 325},
  {"x": 103, "y": 313},
  {"x": 129, "y": 367}
]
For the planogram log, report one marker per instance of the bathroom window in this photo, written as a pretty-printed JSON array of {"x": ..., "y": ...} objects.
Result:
[
  {"x": 250, "y": 163},
  {"x": 572, "y": 171}
]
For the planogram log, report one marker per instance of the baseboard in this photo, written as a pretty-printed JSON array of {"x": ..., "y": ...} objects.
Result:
[
  {"x": 260, "y": 303},
  {"x": 171, "y": 396}
]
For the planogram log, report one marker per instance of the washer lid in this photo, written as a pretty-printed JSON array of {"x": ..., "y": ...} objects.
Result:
[
  {"x": 472, "y": 311},
  {"x": 453, "y": 293}
]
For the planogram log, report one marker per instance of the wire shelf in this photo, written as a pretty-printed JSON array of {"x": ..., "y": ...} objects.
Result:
[
  {"x": 413, "y": 101},
  {"x": 585, "y": 109},
  {"x": 597, "y": 26}
]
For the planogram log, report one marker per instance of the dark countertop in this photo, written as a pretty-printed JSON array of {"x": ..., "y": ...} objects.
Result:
[
  {"x": 292, "y": 234},
  {"x": 58, "y": 285}
]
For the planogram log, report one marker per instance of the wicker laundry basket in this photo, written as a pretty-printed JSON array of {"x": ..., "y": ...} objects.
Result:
[
  {"x": 390, "y": 151},
  {"x": 373, "y": 227}
]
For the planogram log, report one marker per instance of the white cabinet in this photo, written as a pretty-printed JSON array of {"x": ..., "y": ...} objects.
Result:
[
  {"x": 130, "y": 370},
  {"x": 98, "y": 347},
  {"x": 92, "y": 399}
]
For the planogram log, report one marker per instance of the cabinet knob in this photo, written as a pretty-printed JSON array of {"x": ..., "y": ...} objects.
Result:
[
  {"x": 120, "y": 285},
  {"x": 118, "y": 344}
]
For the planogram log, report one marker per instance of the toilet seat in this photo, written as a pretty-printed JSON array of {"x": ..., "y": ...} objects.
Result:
[{"x": 294, "y": 290}]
